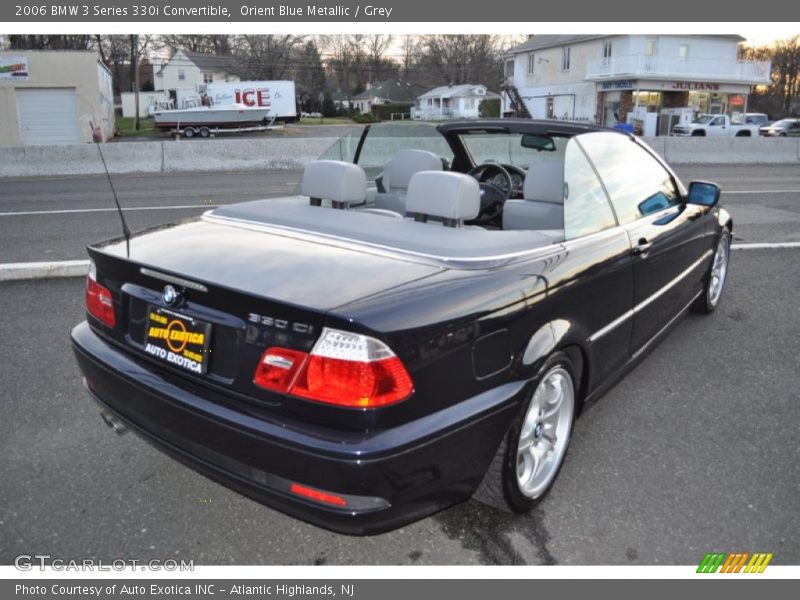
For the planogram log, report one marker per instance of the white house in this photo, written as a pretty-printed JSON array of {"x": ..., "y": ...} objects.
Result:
[
  {"x": 188, "y": 69},
  {"x": 608, "y": 79},
  {"x": 451, "y": 102}
]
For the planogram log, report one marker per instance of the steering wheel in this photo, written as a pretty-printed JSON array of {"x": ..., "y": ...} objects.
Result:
[{"x": 493, "y": 197}]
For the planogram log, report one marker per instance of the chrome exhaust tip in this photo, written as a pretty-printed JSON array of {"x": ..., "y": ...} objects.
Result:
[{"x": 118, "y": 426}]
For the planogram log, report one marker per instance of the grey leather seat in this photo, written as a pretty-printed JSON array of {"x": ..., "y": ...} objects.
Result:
[
  {"x": 543, "y": 204},
  {"x": 342, "y": 183},
  {"x": 451, "y": 197},
  {"x": 398, "y": 173}
]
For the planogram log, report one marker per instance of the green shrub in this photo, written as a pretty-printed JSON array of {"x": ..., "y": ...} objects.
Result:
[
  {"x": 490, "y": 107},
  {"x": 384, "y": 111},
  {"x": 365, "y": 118}
]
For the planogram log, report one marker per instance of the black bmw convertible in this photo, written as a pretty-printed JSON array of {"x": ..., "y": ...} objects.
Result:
[{"x": 420, "y": 324}]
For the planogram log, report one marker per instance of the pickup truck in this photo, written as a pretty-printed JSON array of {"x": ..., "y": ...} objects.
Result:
[{"x": 719, "y": 126}]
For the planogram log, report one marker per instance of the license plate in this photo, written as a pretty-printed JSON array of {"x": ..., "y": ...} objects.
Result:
[{"x": 177, "y": 339}]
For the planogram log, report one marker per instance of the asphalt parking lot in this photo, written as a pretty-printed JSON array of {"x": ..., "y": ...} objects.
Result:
[{"x": 694, "y": 450}]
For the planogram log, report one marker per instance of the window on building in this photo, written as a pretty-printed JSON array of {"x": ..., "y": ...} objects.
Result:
[
  {"x": 565, "y": 58},
  {"x": 510, "y": 68},
  {"x": 181, "y": 75},
  {"x": 531, "y": 64},
  {"x": 652, "y": 47},
  {"x": 208, "y": 78},
  {"x": 550, "y": 110},
  {"x": 683, "y": 51},
  {"x": 606, "y": 51}
]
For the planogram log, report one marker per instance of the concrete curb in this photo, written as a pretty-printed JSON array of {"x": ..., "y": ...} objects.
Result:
[
  {"x": 161, "y": 157},
  {"x": 254, "y": 154},
  {"x": 80, "y": 268},
  {"x": 43, "y": 270}
]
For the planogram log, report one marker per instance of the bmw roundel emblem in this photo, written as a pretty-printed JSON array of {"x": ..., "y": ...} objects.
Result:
[{"x": 170, "y": 295}]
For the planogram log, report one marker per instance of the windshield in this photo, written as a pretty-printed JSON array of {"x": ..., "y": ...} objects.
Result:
[
  {"x": 703, "y": 119},
  {"x": 507, "y": 148},
  {"x": 783, "y": 123}
]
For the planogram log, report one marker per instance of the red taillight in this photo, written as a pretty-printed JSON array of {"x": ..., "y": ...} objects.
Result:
[
  {"x": 317, "y": 495},
  {"x": 343, "y": 368},
  {"x": 352, "y": 383},
  {"x": 98, "y": 302},
  {"x": 277, "y": 368}
]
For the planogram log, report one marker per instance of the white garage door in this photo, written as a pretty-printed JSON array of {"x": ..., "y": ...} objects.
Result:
[{"x": 48, "y": 116}]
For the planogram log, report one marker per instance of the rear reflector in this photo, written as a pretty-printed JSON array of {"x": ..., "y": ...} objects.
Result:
[
  {"x": 277, "y": 368},
  {"x": 317, "y": 495},
  {"x": 98, "y": 301},
  {"x": 344, "y": 369}
]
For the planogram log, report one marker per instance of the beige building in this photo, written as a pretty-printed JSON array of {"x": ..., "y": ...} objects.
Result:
[{"x": 54, "y": 97}]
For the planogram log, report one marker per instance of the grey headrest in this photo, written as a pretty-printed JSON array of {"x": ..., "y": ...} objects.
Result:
[
  {"x": 404, "y": 164},
  {"x": 335, "y": 180},
  {"x": 545, "y": 182},
  {"x": 444, "y": 194}
]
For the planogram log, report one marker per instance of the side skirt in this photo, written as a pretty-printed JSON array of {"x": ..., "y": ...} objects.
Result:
[{"x": 615, "y": 377}]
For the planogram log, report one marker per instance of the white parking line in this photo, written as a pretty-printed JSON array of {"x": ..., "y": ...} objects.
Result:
[
  {"x": 726, "y": 192},
  {"x": 765, "y": 246},
  {"x": 68, "y": 211},
  {"x": 42, "y": 270}
]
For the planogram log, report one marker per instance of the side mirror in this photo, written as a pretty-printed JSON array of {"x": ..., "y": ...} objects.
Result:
[{"x": 703, "y": 193}]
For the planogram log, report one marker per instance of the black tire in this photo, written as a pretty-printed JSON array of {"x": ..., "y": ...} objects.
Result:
[
  {"x": 204, "y": 132},
  {"x": 499, "y": 487},
  {"x": 743, "y": 134},
  {"x": 705, "y": 303},
  {"x": 188, "y": 133},
  {"x": 699, "y": 133}
]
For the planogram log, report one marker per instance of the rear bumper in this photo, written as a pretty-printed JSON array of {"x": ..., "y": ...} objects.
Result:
[{"x": 388, "y": 477}]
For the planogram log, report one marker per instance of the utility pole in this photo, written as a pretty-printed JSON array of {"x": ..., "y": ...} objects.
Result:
[{"x": 135, "y": 64}]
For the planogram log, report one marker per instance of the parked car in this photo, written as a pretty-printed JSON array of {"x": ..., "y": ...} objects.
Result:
[
  {"x": 371, "y": 351},
  {"x": 715, "y": 126},
  {"x": 760, "y": 119},
  {"x": 782, "y": 128}
]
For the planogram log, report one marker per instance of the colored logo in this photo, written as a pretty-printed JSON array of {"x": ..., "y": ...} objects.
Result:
[
  {"x": 735, "y": 562},
  {"x": 170, "y": 295}
]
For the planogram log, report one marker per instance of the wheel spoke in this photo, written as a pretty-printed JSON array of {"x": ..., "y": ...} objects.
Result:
[
  {"x": 544, "y": 433},
  {"x": 553, "y": 402}
]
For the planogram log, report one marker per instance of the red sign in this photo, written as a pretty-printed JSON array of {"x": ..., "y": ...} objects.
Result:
[
  {"x": 694, "y": 85},
  {"x": 251, "y": 97}
]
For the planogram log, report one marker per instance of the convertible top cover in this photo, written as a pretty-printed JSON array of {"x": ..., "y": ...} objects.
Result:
[{"x": 430, "y": 240}]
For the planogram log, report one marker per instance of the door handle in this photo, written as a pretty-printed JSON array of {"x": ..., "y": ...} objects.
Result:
[{"x": 641, "y": 248}]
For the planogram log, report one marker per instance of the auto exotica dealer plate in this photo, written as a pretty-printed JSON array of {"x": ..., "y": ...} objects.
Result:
[{"x": 178, "y": 340}]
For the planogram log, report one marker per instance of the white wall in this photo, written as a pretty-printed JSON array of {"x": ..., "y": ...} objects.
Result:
[
  {"x": 715, "y": 48},
  {"x": 145, "y": 99}
]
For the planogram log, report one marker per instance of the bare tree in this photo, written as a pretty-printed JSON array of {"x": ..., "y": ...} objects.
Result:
[
  {"x": 207, "y": 44},
  {"x": 50, "y": 42},
  {"x": 410, "y": 46},
  {"x": 785, "y": 88},
  {"x": 268, "y": 56},
  {"x": 456, "y": 59}
]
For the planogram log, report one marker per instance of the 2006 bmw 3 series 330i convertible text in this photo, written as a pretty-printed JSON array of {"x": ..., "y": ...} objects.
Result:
[{"x": 419, "y": 325}]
